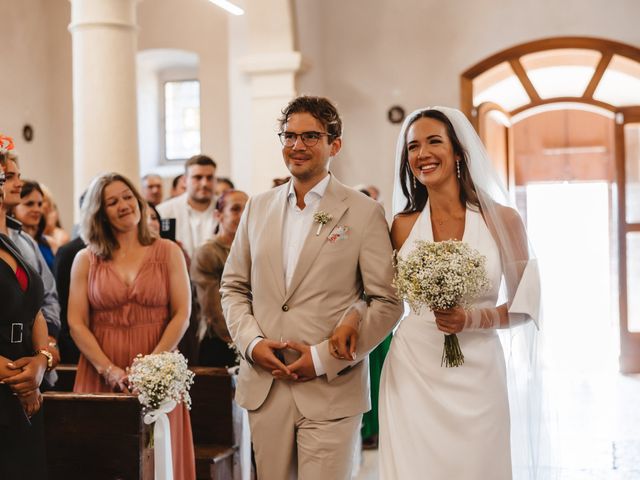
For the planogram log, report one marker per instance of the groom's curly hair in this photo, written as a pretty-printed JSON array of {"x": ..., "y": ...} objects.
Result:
[{"x": 320, "y": 108}]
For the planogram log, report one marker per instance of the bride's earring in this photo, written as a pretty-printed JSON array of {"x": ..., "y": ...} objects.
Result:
[
  {"x": 458, "y": 166},
  {"x": 414, "y": 182}
]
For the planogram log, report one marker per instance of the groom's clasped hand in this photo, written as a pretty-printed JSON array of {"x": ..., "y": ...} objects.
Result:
[{"x": 269, "y": 355}]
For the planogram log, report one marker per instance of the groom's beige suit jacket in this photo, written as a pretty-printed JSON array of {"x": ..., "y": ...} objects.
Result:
[{"x": 351, "y": 254}]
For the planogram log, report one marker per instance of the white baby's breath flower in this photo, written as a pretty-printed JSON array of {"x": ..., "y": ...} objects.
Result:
[
  {"x": 442, "y": 275},
  {"x": 161, "y": 376},
  {"x": 321, "y": 218}
]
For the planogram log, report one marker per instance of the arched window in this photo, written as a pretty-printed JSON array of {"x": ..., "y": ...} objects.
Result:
[
  {"x": 575, "y": 74},
  {"x": 168, "y": 109}
]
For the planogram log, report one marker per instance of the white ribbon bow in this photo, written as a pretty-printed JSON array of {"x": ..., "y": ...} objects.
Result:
[{"x": 163, "y": 462}]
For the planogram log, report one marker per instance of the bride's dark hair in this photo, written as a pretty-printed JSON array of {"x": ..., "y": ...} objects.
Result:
[{"x": 417, "y": 195}]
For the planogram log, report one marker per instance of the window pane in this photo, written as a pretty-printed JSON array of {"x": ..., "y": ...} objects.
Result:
[
  {"x": 561, "y": 73},
  {"x": 620, "y": 84},
  {"x": 182, "y": 119},
  {"x": 501, "y": 86},
  {"x": 632, "y": 171},
  {"x": 633, "y": 282}
]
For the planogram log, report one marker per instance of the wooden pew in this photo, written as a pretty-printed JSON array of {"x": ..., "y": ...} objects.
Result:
[
  {"x": 98, "y": 436},
  {"x": 216, "y": 421},
  {"x": 66, "y": 377},
  {"x": 217, "y": 424}
]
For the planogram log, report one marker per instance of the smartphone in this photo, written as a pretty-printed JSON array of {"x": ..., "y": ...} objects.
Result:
[{"x": 168, "y": 228}]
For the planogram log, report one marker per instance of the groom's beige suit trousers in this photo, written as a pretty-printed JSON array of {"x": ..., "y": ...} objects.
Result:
[
  {"x": 287, "y": 445},
  {"x": 344, "y": 258}
]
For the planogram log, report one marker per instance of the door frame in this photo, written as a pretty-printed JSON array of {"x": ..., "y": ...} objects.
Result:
[{"x": 629, "y": 341}]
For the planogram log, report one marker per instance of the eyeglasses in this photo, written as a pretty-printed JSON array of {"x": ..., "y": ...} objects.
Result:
[{"x": 310, "y": 139}]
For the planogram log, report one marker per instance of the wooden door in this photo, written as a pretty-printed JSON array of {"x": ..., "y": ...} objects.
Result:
[{"x": 628, "y": 182}]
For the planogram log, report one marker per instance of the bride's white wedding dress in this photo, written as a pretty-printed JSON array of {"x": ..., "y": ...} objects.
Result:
[{"x": 446, "y": 423}]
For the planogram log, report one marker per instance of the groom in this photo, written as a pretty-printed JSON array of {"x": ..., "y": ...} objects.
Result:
[{"x": 303, "y": 254}]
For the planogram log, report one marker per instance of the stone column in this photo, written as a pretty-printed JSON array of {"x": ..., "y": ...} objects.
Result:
[
  {"x": 271, "y": 65},
  {"x": 105, "y": 132},
  {"x": 272, "y": 86}
]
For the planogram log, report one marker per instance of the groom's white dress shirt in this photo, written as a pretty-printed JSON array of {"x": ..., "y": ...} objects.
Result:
[{"x": 297, "y": 223}]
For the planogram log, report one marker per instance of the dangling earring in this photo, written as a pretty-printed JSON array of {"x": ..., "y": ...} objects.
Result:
[
  {"x": 458, "y": 166},
  {"x": 414, "y": 182}
]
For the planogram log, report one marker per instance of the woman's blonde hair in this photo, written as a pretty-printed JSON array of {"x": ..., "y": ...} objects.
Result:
[{"x": 95, "y": 229}]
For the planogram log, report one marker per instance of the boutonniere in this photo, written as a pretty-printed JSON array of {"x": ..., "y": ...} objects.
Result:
[
  {"x": 321, "y": 218},
  {"x": 339, "y": 233}
]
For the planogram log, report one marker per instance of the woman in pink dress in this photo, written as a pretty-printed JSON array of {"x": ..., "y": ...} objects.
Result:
[{"x": 129, "y": 295}]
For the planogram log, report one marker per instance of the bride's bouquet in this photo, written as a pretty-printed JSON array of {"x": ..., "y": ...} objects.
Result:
[
  {"x": 160, "y": 377},
  {"x": 442, "y": 275}
]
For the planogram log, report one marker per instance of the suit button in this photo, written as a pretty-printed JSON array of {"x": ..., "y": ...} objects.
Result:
[{"x": 285, "y": 308}]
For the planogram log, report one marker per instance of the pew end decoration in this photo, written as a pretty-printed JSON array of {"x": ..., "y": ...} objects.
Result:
[
  {"x": 160, "y": 377},
  {"x": 441, "y": 275},
  {"x": 161, "y": 381}
]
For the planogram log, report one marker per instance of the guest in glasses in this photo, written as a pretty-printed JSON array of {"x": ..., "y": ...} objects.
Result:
[{"x": 303, "y": 254}]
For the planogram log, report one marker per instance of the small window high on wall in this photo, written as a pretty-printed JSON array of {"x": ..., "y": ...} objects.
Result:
[
  {"x": 181, "y": 119},
  {"x": 168, "y": 109}
]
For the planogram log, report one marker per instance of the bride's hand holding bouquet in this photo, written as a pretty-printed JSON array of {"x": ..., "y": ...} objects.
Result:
[{"x": 446, "y": 277}]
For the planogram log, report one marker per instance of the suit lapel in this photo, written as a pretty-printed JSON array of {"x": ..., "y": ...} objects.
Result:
[
  {"x": 276, "y": 218},
  {"x": 332, "y": 203}
]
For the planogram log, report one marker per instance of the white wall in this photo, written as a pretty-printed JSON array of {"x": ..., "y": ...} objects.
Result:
[
  {"x": 366, "y": 55},
  {"x": 240, "y": 102},
  {"x": 154, "y": 67},
  {"x": 35, "y": 89},
  {"x": 200, "y": 27},
  {"x": 35, "y": 47},
  {"x": 375, "y": 54}
]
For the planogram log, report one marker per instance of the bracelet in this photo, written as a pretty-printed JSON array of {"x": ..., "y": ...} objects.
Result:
[
  {"x": 48, "y": 356},
  {"x": 105, "y": 374}
]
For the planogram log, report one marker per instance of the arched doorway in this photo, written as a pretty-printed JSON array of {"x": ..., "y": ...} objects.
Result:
[{"x": 550, "y": 85}]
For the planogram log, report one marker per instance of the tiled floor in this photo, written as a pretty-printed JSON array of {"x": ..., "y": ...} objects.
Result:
[{"x": 598, "y": 429}]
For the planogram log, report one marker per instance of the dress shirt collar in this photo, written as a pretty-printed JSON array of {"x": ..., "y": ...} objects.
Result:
[{"x": 316, "y": 192}]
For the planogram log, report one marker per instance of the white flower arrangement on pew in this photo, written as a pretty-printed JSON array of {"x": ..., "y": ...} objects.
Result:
[
  {"x": 159, "y": 377},
  {"x": 161, "y": 381},
  {"x": 442, "y": 275}
]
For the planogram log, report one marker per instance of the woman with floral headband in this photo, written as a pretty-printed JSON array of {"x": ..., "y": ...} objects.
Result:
[
  {"x": 129, "y": 295},
  {"x": 23, "y": 331}
]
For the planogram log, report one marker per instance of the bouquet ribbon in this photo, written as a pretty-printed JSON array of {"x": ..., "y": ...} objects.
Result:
[{"x": 163, "y": 462}]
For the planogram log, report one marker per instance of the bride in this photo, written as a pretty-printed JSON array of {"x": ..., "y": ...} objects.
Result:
[{"x": 479, "y": 420}]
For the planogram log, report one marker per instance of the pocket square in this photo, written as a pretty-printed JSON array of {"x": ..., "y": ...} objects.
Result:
[{"x": 341, "y": 232}]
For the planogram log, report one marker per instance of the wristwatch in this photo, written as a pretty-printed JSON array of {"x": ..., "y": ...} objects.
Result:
[{"x": 47, "y": 354}]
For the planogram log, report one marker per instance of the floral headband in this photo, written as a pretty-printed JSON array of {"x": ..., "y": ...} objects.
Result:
[{"x": 6, "y": 143}]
